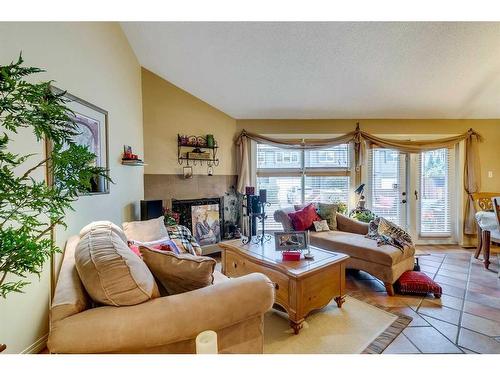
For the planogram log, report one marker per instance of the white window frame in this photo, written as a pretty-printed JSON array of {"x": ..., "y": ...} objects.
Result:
[{"x": 350, "y": 171}]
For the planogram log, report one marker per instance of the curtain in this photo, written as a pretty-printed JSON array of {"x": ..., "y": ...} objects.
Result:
[{"x": 361, "y": 140}]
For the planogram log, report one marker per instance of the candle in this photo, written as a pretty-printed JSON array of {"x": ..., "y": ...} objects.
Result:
[
  {"x": 263, "y": 195},
  {"x": 249, "y": 190},
  {"x": 206, "y": 343}
]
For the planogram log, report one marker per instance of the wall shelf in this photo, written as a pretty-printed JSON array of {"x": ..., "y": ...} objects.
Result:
[
  {"x": 189, "y": 145},
  {"x": 133, "y": 164}
]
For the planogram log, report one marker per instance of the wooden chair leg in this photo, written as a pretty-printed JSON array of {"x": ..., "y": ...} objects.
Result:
[
  {"x": 389, "y": 288},
  {"x": 486, "y": 246},
  {"x": 479, "y": 241}
]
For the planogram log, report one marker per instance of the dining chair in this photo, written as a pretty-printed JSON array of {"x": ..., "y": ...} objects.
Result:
[{"x": 488, "y": 228}]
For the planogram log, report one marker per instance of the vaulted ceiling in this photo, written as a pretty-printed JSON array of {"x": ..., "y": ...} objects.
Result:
[{"x": 329, "y": 69}]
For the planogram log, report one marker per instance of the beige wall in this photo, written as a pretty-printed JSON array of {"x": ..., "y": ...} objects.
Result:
[
  {"x": 489, "y": 129},
  {"x": 94, "y": 62},
  {"x": 168, "y": 110}
]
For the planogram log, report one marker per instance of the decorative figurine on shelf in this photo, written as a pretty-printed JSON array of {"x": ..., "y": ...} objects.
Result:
[
  {"x": 210, "y": 140},
  {"x": 256, "y": 205}
]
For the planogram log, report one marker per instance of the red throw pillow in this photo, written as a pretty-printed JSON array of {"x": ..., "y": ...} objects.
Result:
[{"x": 303, "y": 219}]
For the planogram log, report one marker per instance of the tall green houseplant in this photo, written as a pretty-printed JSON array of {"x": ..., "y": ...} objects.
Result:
[{"x": 29, "y": 208}]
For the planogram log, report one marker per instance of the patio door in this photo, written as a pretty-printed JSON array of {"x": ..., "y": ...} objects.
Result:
[
  {"x": 387, "y": 185},
  {"x": 415, "y": 192}
]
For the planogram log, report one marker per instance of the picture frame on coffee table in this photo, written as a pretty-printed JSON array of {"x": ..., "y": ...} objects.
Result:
[{"x": 290, "y": 241}]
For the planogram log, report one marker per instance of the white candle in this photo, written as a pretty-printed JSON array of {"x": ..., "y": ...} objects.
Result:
[{"x": 206, "y": 343}]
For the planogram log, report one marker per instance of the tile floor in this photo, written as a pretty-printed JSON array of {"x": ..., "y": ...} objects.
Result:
[{"x": 466, "y": 319}]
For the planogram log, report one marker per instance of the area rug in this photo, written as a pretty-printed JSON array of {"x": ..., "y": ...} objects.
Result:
[{"x": 357, "y": 327}]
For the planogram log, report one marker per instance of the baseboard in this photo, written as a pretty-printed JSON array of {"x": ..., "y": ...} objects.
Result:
[{"x": 37, "y": 346}]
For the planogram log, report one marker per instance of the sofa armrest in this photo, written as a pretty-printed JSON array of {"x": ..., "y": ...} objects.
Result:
[
  {"x": 163, "y": 320},
  {"x": 346, "y": 224}
]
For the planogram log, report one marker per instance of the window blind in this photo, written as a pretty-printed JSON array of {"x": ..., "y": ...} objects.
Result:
[
  {"x": 435, "y": 193},
  {"x": 386, "y": 184}
]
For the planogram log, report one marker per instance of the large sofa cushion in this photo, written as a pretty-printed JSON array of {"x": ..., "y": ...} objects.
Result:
[
  {"x": 179, "y": 273},
  {"x": 358, "y": 246},
  {"x": 111, "y": 273},
  {"x": 103, "y": 223}
]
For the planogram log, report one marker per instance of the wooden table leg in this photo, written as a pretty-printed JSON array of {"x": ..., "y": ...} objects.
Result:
[
  {"x": 296, "y": 326},
  {"x": 389, "y": 288},
  {"x": 486, "y": 245},
  {"x": 340, "y": 300},
  {"x": 479, "y": 241}
]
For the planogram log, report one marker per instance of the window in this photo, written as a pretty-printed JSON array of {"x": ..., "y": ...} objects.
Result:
[{"x": 299, "y": 176}]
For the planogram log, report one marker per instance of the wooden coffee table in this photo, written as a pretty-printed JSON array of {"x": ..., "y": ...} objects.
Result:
[{"x": 301, "y": 286}]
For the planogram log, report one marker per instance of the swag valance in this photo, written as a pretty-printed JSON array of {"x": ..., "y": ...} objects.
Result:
[{"x": 361, "y": 141}]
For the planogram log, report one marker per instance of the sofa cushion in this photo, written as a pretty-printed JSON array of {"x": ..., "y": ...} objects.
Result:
[
  {"x": 303, "y": 219},
  {"x": 146, "y": 231},
  {"x": 328, "y": 212},
  {"x": 111, "y": 273},
  {"x": 179, "y": 273},
  {"x": 358, "y": 246}
]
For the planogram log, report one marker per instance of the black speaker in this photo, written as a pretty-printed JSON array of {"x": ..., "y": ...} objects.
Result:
[{"x": 151, "y": 209}]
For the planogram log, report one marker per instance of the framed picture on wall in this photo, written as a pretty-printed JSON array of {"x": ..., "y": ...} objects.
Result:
[{"x": 92, "y": 126}]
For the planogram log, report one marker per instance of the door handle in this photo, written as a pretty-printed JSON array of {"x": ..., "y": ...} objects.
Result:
[
  {"x": 416, "y": 195},
  {"x": 403, "y": 201}
]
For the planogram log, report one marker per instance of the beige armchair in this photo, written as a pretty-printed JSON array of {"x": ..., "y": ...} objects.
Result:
[{"x": 167, "y": 324}]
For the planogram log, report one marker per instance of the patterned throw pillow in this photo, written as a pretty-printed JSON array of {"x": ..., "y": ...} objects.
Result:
[
  {"x": 328, "y": 212},
  {"x": 321, "y": 226},
  {"x": 184, "y": 240}
]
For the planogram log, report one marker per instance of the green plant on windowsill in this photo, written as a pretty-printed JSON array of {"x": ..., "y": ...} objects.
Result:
[{"x": 30, "y": 208}]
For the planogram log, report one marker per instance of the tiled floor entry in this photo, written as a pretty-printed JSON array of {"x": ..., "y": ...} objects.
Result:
[{"x": 466, "y": 319}]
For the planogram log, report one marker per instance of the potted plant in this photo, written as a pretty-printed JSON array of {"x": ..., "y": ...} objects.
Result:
[{"x": 30, "y": 209}]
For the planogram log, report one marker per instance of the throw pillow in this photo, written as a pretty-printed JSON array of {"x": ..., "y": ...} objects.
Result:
[
  {"x": 110, "y": 272},
  {"x": 321, "y": 226},
  {"x": 146, "y": 231},
  {"x": 179, "y": 273},
  {"x": 185, "y": 241},
  {"x": 328, "y": 212},
  {"x": 304, "y": 218}
]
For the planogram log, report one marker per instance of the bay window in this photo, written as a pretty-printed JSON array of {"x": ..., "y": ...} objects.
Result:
[{"x": 293, "y": 177}]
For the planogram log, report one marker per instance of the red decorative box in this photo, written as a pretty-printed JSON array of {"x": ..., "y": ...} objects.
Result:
[
  {"x": 291, "y": 255},
  {"x": 417, "y": 283}
]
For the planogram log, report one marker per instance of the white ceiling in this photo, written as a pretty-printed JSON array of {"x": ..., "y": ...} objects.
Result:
[{"x": 329, "y": 69}]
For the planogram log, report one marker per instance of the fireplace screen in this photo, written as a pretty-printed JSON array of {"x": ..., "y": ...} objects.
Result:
[
  {"x": 204, "y": 217},
  {"x": 206, "y": 224}
]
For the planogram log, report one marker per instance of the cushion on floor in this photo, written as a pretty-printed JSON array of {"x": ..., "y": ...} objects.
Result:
[{"x": 414, "y": 282}]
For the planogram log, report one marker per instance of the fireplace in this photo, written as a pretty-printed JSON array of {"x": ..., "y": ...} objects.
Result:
[{"x": 204, "y": 218}]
